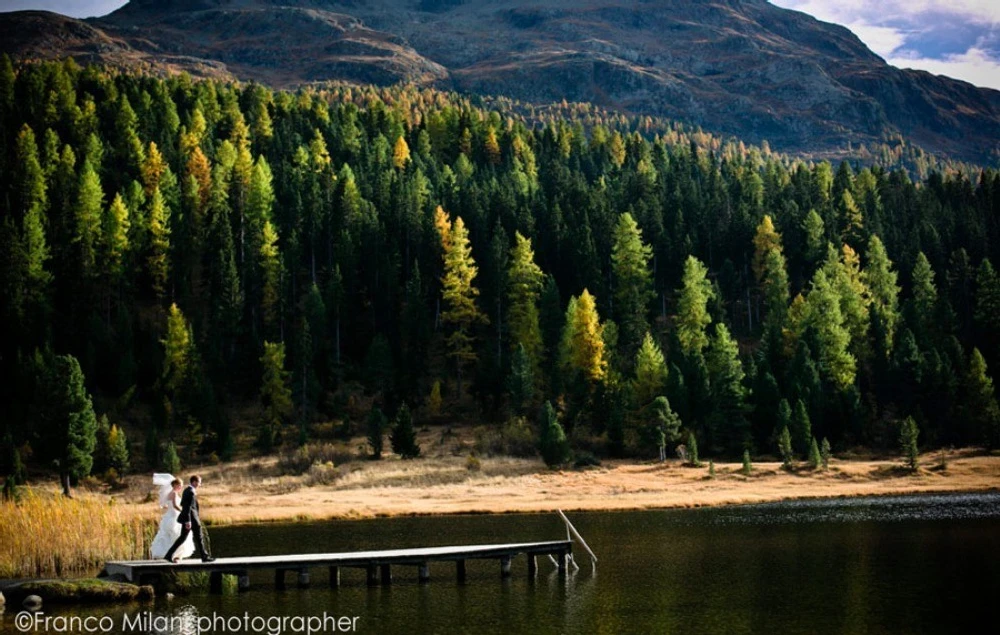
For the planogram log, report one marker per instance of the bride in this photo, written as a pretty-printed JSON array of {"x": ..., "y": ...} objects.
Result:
[{"x": 170, "y": 529}]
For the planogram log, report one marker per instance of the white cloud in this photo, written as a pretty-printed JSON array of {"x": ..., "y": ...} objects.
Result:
[
  {"x": 975, "y": 66},
  {"x": 888, "y": 26}
]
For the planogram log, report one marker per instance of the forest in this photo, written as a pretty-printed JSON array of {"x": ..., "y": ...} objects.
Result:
[{"x": 215, "y": 269}]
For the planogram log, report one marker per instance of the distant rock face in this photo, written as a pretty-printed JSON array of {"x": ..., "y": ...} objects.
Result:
[{"x": 743, "y": 67}]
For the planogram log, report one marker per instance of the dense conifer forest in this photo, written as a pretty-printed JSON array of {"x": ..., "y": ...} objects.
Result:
[{"x": 210, "y": 268}]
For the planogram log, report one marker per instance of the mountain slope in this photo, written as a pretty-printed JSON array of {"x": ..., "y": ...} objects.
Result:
[{"x": 742, "y": 67}]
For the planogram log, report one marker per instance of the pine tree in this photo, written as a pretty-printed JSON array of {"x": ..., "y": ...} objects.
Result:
[
  {"x": 814, "y": 230},
  {"x": 650, "y": 372},
  {"x": 924, "y": 295},
  {"x": 459, "y": 295},
  {"x": 801, "y": 428},
  {"x": 177, "y": 349},
  {"x": 271, "y": 274},
  {"x": 987, "y": 309},
  {"x": 692, "y": 307},
  {"x": 785, "y": 448},
  {"x": 491, "y": 147},
  {"x": 766, "y": 240},
  {"x": 633, "y": 283},
  {"x": 552, "y": 440},
  {"x": 728, "y": 420},
  {"x": 524, "y": 283},
  {"x": 275, "y": 392},
  {"x": 908, "y": 433},
  {"x": 88, "y": 212},
  {"x": 824, "y": 316},
  {"x": 158, "y": 259},
  {"x": 815, "y": 458},
  {"x": 171, "y": 461},
  {"x": 880, "y": 279},
  {"x": 692, "y": 450},
  {"x": 747, "y": 465},
  {"x": 403, "y": 435},
  {"x": 376, "y": 430},
  {"x": 843, "y": 271},
  {"x": 72, "y": 422},
  {"x": 825, "y": 453},
  {"x": 980, "y": 403},
  {"x": 521, "y": 382},
  {"x": 118, "y": 452}
]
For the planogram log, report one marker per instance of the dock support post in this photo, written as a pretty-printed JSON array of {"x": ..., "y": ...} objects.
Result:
[
  {"x": 532, "y": 566},
  {"x": 279, "y": 579},
  {"x": 460, "y": 570},
  {"x": 372, "y": 575},
  {"x": 561, "y": 562},
  {"x": 386, "y": 575},
  {"x": 505, "y": 567},
  {"x": 334, "y": 577},
  {"x": 424, "y": 573},
  {"x": 215, "y": 582},
  {"x": 243, "y": 581},
  {"x": 303, "y": 578}
]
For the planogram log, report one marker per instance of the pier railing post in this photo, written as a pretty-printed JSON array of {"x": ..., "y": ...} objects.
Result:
[
  {"x": 424, "y": 573},
  {"x": 372, "y": 575},
  {"x": 532, "y": 566},
  {"x": 505, "y": 567}
]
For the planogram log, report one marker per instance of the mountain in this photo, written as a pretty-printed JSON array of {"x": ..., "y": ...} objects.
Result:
[{"x": 742, "y": 67}]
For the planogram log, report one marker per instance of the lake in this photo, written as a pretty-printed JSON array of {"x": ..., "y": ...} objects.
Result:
[{"x": 915, "y": 564}]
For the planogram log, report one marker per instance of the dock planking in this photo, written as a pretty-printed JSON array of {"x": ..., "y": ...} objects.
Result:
[{"x": 377, "y": 564}]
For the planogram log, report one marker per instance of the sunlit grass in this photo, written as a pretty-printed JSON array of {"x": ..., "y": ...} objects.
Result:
[{"x": 44, "y": 533}]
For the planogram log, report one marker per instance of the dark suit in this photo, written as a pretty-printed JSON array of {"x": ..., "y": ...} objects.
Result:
[{"x": 189, "y": 514}]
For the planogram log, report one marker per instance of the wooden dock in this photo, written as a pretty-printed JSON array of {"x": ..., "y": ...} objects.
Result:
[{"x": 377, "y": 564}]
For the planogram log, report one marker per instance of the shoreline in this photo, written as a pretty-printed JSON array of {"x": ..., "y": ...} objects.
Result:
[{"x": 443, "y": 487}]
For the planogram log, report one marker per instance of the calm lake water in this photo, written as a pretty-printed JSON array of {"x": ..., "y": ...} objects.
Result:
[{"x": 926, "y": 564}]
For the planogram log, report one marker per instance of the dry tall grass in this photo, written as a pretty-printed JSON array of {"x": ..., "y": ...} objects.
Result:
[{"x": 44, "y": 533}]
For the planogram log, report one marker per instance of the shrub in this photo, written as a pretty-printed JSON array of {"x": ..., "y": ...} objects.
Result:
[
  {"x": 171, "y": 462},
  {"x": 824, "y": 453},
  {"x": 908, "y": 442},
  {"x": 552, "y": 443},
  {"x": 785, "y": 448},
  {"x": 747, "y": 465},
  {"x": 473, "y": 464},
  {"x": 815, "y": 458},
  {"x": 403, "y": 436}
]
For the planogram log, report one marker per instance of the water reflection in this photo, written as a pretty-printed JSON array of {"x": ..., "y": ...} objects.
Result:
[{"x": 888, "y": 565}]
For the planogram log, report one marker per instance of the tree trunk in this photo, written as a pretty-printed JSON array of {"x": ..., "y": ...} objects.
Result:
[{"x": 64, "y": 481}]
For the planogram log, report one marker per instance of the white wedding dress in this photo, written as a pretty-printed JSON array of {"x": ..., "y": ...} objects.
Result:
[{"x": 170, "y": 529}]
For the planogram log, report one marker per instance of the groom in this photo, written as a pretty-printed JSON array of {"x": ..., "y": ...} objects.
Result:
[{"x": 191, "y": 521}]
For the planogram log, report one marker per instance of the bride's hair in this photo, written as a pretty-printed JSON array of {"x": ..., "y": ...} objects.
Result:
[{"x": 175, "y": 482}]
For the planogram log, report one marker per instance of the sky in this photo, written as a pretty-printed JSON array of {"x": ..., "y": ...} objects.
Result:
[{"x": 958, "y": 38}]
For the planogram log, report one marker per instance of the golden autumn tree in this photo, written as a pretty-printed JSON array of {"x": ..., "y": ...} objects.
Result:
[
  {"x": 460, "y": 314},
  {"x": 582, "y": 341},
  {"x": 400, "y": 153}
]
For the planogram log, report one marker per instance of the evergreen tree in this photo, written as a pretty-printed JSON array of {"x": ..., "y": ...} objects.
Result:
[
  {"x": 728, "y": 421},
  {"x": 692, "y": 450},
  {"x": 692, "y": 307},
  {"x": 801, "y": 428},
  {"x": 924, "y": 295},
  {"x": 524, "y": 283},
  {"x": 158, "y": 259},
  {"x": 633, "y": 283},
  {"x": 403, "y": 436},
  {"x": 880, "y": 279},
  {"x": 650, "y": 372},
  {"x": 815, "y": 458},
  {"x": 376, "y": 430},
  {"x": 824, "y": 316},
  {"x": 785, "y": 448},
  {"x": 825, "y": 453},
  {"x": 118, "y": 451},
  {"x": 980, "y": 403},
  {"x": 815, "y": 231},
  {"x": 171, "y": 461},
  {"x": 88, "y": 212},
  {"x": 521, "y": 382},
  {"x": 275, "y": 393},
  {"x": 552, "y": 439},
  {"x": 908, "y": 433},
  {"x": 747, "y": 465},
  {"x": 71, "y": 423}
]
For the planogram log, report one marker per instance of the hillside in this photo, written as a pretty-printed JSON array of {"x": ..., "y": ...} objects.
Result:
[{"x": 746, "y": 68}]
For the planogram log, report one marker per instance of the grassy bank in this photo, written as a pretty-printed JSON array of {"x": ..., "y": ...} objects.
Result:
[
  {"x": 45, "y": 534},
  {"x": 83, "y": 591}
]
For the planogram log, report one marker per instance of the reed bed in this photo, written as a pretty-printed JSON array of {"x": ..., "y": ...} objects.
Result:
[{"x": 44, "y": 533}]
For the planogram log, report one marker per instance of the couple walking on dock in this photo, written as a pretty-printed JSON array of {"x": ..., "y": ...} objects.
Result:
[{"x": 181, "y": 531}]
